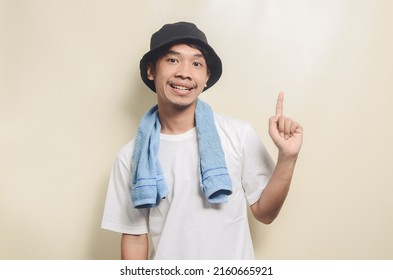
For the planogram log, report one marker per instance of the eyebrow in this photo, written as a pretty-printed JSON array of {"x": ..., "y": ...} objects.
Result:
[{"x": 177, "y": 53}]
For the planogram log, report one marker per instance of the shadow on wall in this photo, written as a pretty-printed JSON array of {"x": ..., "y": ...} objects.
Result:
[
  {"x": 104, "y": 244},
  {"x": 141, "y": 100}
]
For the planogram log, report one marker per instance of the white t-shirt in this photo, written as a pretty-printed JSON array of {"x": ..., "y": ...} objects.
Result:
[{"x": 185, "y": 225}]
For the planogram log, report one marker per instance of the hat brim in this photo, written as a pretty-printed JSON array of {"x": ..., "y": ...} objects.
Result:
[{"x": 213, "y": 61}]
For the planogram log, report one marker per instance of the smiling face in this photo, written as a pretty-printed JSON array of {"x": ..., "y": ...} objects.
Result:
[{"x": 180, "y": 76}]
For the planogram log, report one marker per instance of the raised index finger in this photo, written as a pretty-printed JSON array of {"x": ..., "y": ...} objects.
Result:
[{"x": 280, "y": 104}]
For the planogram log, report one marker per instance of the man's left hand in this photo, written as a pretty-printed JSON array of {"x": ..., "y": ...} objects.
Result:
[{"x": 286, "y": 133}]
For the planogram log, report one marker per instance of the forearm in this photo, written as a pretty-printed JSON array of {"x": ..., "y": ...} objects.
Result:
[
  {"x": 267, "y": 208},
  {"x": 134, "y": 247}
]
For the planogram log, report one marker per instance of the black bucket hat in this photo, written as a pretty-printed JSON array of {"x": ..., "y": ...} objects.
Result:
[{"x": 180, "y": 32}]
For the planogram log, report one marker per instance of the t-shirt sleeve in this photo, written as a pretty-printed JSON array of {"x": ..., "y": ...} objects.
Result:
[
  {"x": 119, "y": 214},
  {"x": 258, "y": 166}
]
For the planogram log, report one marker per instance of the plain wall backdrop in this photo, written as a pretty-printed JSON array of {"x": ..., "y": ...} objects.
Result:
[{"x": 71, "y": 97}]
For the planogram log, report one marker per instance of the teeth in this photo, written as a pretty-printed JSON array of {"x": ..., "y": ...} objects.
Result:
[{"x": 180, "y": 88}]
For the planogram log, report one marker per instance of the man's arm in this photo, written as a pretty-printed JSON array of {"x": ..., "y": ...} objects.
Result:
[
  {"x": 134, "y": 247},
  {"x": 287, "y": 135},
  {"x": 267, "y": 208}
]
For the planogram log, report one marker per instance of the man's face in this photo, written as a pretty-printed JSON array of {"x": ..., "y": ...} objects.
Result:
[{"x": 179, "y": 76}]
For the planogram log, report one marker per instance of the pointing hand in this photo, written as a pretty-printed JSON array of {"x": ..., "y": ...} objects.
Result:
[{"x": 286, "y": 133}]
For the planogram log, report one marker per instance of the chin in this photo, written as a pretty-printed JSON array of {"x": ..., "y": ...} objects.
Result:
[{"x": 182, "y": 102}]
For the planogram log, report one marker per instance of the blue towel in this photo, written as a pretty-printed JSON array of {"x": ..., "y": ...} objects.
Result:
[{"x": 148, "y": 183}]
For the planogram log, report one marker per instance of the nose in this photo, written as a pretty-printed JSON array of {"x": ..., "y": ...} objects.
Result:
[{"x": 183, "y": 71}]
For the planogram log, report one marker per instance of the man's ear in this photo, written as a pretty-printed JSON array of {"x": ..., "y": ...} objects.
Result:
[
  {"x": 208, "y": 75},
  {"x": 150, "y": 72}
]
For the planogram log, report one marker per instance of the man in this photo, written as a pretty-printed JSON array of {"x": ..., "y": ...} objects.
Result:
[{"x": 187, "y": 178}]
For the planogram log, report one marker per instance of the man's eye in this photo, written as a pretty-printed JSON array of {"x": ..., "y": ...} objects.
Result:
[
  {"x": 197, "y": 64},
  {"x": 172, "y": 60}
]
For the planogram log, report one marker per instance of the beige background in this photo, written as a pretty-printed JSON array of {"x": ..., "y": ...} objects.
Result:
[{"x": 71, "y": 96}]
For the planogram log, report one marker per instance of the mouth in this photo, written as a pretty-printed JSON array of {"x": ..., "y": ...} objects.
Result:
[{"x": 181, "y": 89}]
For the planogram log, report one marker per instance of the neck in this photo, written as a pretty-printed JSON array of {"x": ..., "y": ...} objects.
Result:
[{"x": 176, "y": 120}]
